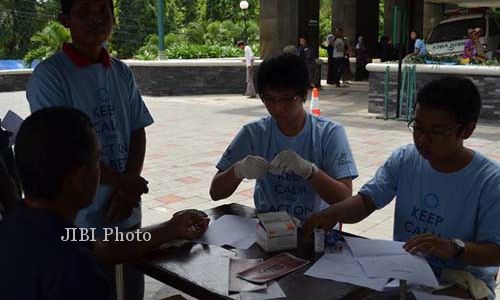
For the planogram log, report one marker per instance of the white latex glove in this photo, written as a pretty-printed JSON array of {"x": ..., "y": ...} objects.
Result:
[
  {"x": 251, "y": 167},
  {"x": 289, "y": 160}
]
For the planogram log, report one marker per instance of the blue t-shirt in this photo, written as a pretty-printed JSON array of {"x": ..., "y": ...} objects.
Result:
[
  {"x": 321, "y": 141},
  {"x": 463, "y": 204},
  {"x": 421, "y": 47},
  {"x": 36, "y": 264},
  {"x": 110, "y": 97}
]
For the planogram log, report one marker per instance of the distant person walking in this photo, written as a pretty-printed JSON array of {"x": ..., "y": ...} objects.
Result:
[
  {"x": 361, "y": 59},
  {"x": 249, "y": 60},
  {"x": 306, "y": 53}
]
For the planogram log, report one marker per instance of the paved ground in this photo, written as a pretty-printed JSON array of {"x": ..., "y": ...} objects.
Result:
[{"x": 191, "y": 132}]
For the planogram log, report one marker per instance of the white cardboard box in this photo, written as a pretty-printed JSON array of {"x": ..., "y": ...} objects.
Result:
[{"x": 277, "y": 231}]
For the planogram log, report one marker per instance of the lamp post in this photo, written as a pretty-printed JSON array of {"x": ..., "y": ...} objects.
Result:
[{"x": 244, "y": 6}]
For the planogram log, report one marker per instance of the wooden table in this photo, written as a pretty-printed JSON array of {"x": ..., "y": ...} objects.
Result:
[{"x": 201, "y": 271}]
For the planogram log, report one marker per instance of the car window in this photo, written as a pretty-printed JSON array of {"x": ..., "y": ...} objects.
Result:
[{"x": 456, "y": 30}]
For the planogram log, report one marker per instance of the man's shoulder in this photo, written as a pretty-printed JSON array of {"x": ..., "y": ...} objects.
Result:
[
  {"x": 52, "y": 64},
  {"x": 489, "y": 168},
  {"x": 326, "y": 126},
  {"x": 260, "y": 125}
]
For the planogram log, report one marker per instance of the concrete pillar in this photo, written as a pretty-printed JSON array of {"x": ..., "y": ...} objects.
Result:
[
  {"x": 367, "y": 20},
  {"x": 344, "y": 17},
  {"x": 308, "y": 22},
  {"x": 433, "y": 13},
  {"x": 278, "y": 25}
]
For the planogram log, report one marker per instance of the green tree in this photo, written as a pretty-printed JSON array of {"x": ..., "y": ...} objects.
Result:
[
  {"x": 135, "y": 19},
  {"x": 187, "y": 10},
  {"x": 219, "y": 10},
  {"x": 47, "y": 41},
  {"x": 18, "y": 21}
]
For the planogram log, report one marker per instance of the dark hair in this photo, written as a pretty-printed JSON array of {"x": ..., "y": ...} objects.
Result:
[
  {"x": 283, "y": 71},
  {"x": 50, "y": 143},
  {"x": 67, "y": 4},
  {"x": 457, "y": 95},
  {"x": 241, "y": 43},
  {"x": 418, "y": 36}
]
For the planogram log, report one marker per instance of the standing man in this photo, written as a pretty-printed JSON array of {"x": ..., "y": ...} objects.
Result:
[
  {"x": 84, "y": 76},
  {"x": 306, "y": 53},
  {"x": 249, "y": 60}
]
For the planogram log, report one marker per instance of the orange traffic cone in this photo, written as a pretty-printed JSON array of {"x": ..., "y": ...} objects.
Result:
[{"x": 314, "y": 108}]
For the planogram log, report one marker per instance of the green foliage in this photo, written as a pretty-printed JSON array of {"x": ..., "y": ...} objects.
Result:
[
  {"x": 381, "y": 18},
  {"x": 178, "y": 49},
  {"x": 195, "y": 33},
  {"x": 325, "y": 19},
  {"x": 18, "y": 21},
  {"x": 187, "y": 11},
  {"x": 218, "y": 10},
  {"x": 47, "y": 41},
  {"x": 135, "y": 19}
]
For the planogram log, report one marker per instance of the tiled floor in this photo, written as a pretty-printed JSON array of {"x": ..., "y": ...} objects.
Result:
[{"x": 191, "y": 132}]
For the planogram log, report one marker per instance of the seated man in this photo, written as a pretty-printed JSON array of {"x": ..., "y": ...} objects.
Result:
[
  {"x": 301, "y": 162},
  {"x": 57, "y": 155},
  {"x": 447, "y": 195}
]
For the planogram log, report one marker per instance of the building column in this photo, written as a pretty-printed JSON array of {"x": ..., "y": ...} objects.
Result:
[{"x": 278, "y": 25}]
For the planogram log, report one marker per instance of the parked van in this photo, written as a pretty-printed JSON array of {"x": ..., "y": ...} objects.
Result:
[{"x": 450, "y": 35}]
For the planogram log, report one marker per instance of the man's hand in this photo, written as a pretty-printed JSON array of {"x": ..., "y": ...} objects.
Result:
[
  {"x": 126, "y": 196},
  {"x": 189, "y": 224},
  {"x": 132, "y": 184},
  {"x": 289, "y": 160},
  {"x": 431, "y": 245},
  {"x": 251, "y": 167},
  {"x": 325, "y": 219},
  {"x": 121, "y": 206}
]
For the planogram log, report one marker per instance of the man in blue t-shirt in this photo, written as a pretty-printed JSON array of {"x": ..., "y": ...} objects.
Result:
[
  {"x": 301, "y": 162},
  {"x": 84, "y": 76},
  {"x": 57, "y": 155},
  {"x": 447, "y": 195}
]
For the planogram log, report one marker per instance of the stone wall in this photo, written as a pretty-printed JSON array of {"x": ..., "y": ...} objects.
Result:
[
  {"x": 161, "y": 81},
  {"x": 14, "y": 82},
  {"x": 488, "y": 86}
]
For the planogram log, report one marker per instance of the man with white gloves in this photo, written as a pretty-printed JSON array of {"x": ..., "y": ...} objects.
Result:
[{"x": 301, "y": 162}]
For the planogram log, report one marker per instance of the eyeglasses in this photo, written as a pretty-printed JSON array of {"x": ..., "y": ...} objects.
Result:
[
  {"x": 433, "y": 133},
  {"x": 270, "y": 99}
]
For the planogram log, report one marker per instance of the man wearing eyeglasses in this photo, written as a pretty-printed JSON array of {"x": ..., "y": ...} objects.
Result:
[
  {"x": 447, "y": 195},
  {"x": 301, "y": 162}
]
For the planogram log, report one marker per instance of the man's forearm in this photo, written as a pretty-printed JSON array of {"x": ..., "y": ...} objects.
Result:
[
  {"x": 353, "y": 209},
  {"x": 330, "y": 189},
  {"x": 112, "y": 252},
  {"x": 224, "y": 184},
  {"x": 137, "y": 152},
  {"x": 135, "y": 161},
  {"x": 481, "y": 254}
]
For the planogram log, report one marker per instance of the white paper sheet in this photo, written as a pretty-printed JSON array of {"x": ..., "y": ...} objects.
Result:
[
  {"x": 273, "y": 291},
  {"x": 12, "y": 122},
  {"x": 343, "y": 267},
  {"x": 367, "y": 247},
  {"x": 426, "y": 296},
  {"x": 238, "y": 232},
  {"x": 412, "y": 268},
  {"x": 239, "y": 285}
]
